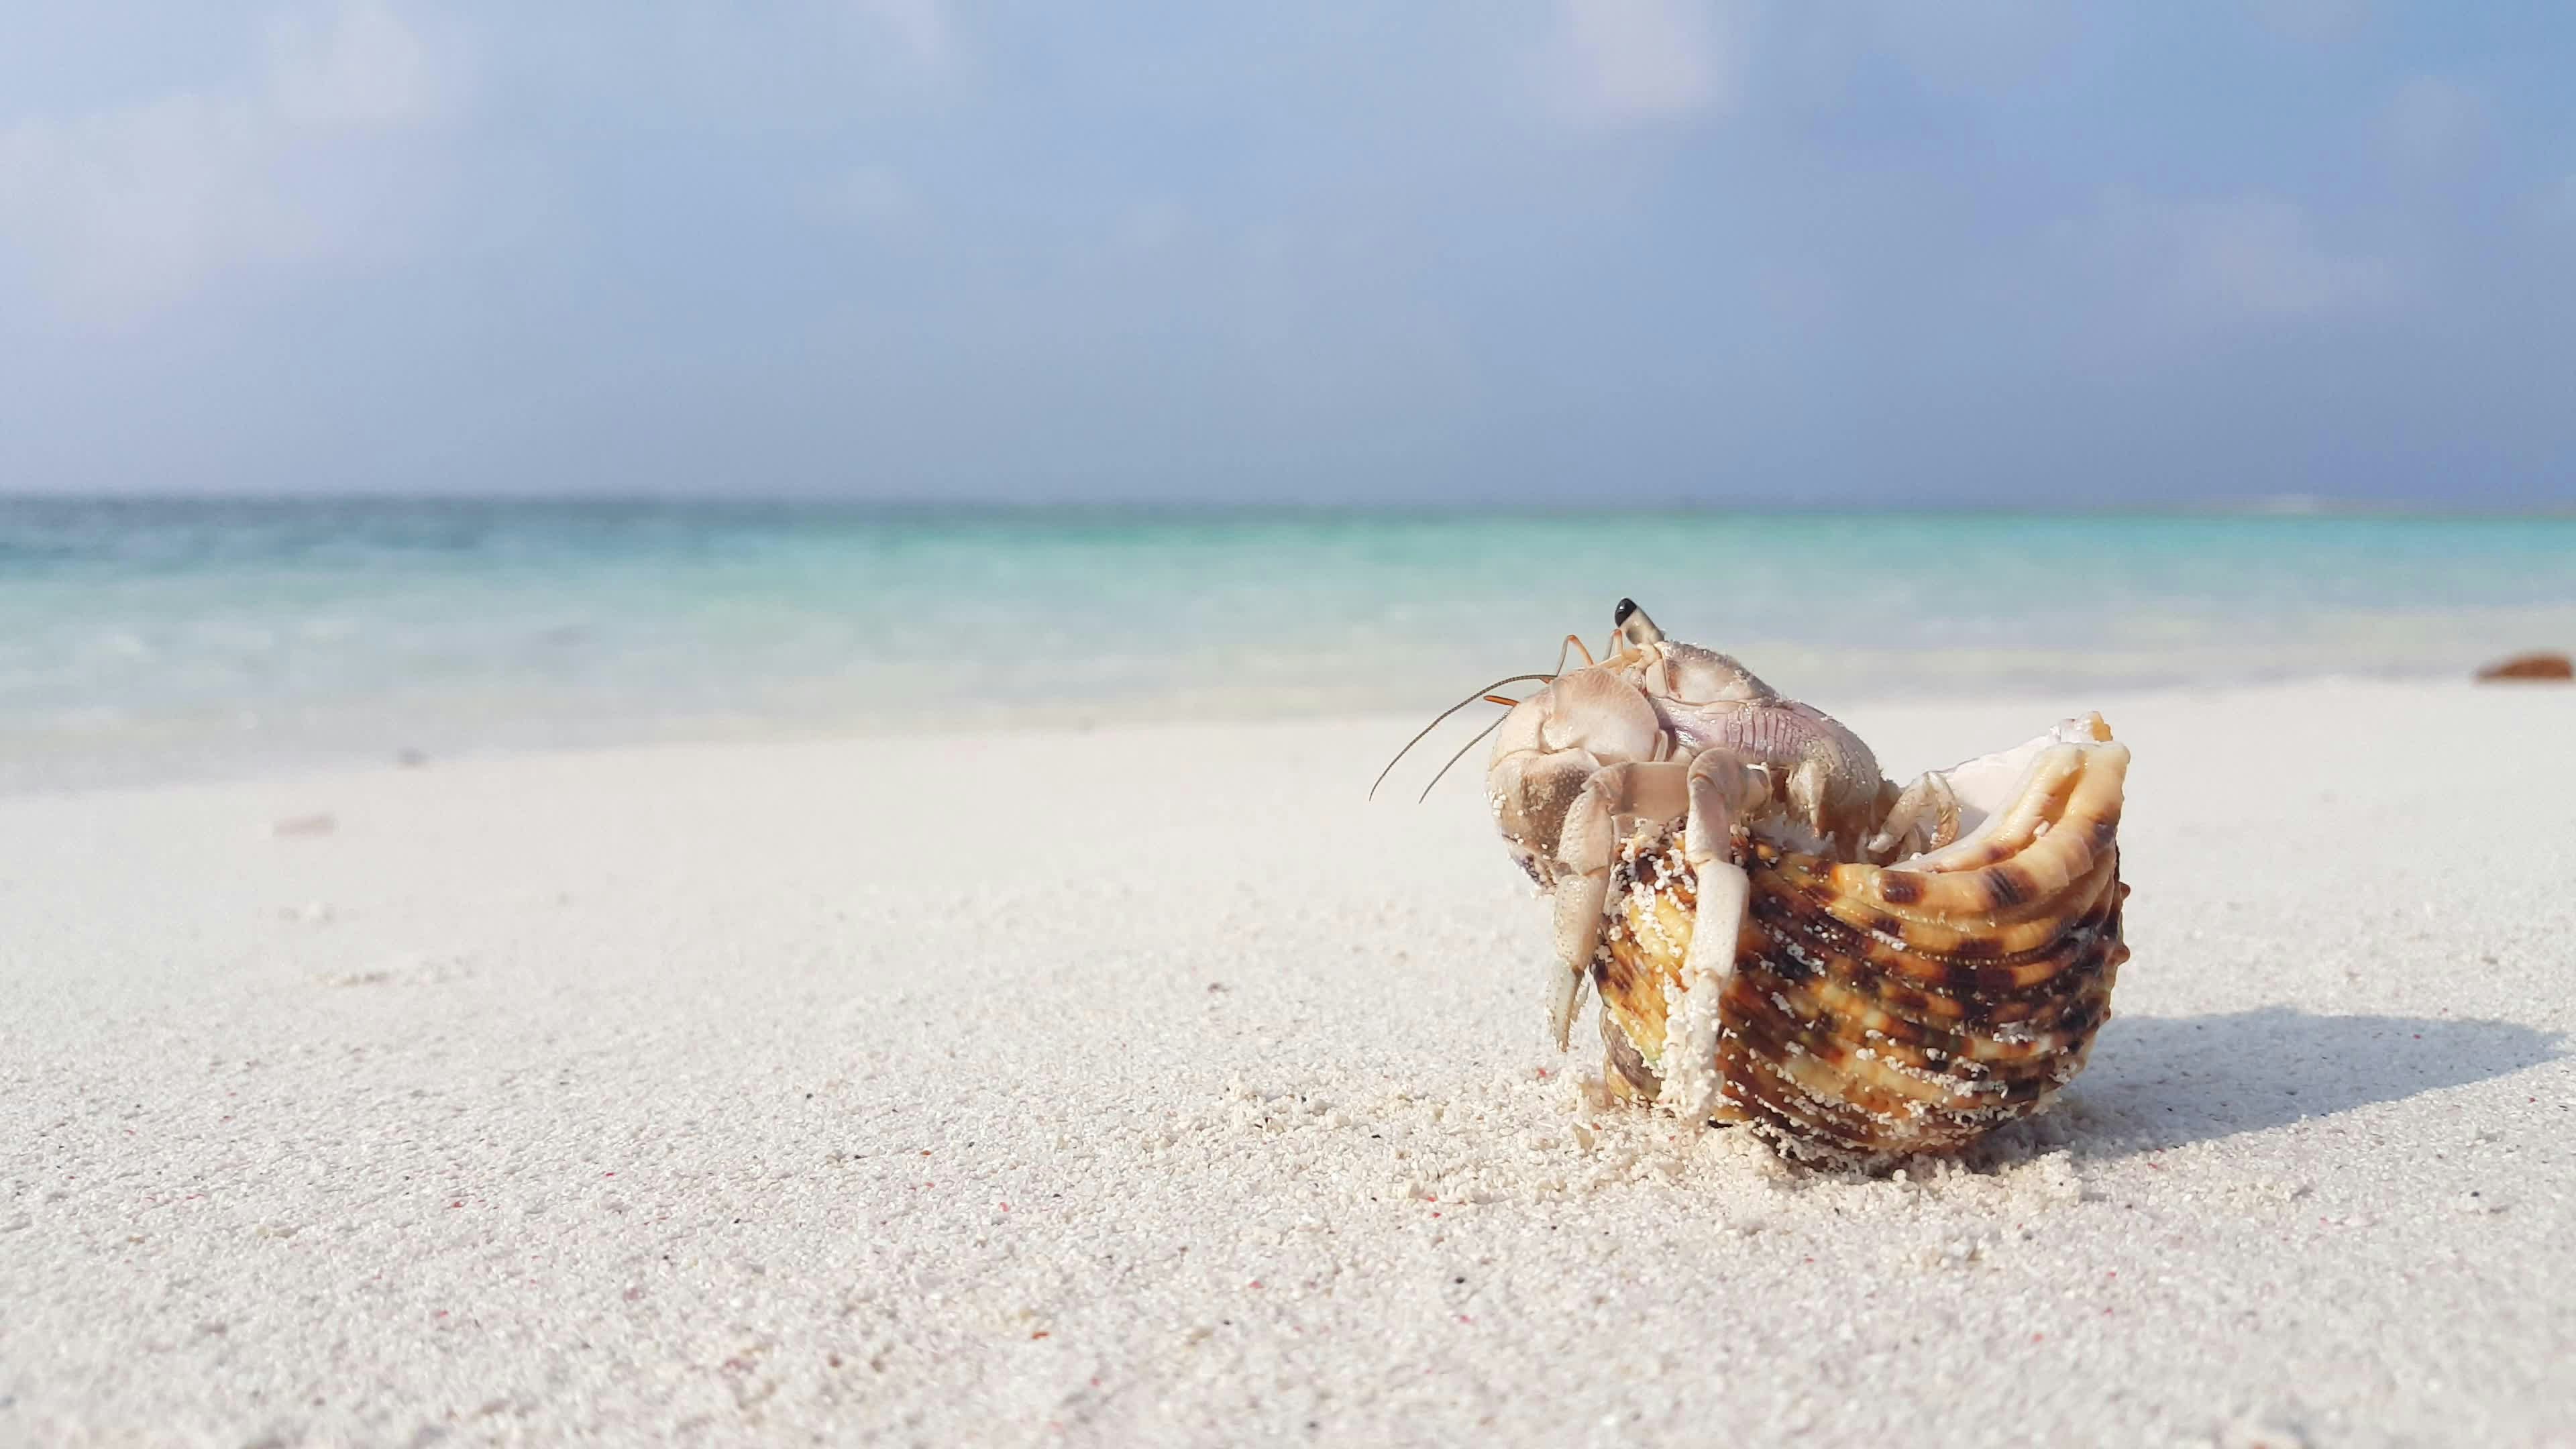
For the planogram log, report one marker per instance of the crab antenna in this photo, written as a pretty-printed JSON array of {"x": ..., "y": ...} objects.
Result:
[
  {"x": 1476, "y": 698},
  {"x": 1462, "y": 752}
]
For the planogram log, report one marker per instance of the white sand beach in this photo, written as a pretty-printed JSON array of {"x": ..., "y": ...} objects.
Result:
[{"x": 1149, "y": 1086}]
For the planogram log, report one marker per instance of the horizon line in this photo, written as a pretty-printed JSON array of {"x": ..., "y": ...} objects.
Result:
[{"x": 2272, "y": 507}]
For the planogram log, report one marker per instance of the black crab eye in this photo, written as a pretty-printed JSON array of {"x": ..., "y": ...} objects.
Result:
[{"x": 1620, "y": 615}]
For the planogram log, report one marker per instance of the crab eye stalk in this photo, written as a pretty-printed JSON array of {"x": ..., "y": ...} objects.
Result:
[{"x": 1630, "y": 623}]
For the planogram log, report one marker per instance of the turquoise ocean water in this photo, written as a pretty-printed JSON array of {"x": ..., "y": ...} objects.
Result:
[{"x": 151, "y": 640}]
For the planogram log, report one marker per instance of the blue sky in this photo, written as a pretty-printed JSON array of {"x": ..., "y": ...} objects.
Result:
[{"x": 1588, "y": 253}]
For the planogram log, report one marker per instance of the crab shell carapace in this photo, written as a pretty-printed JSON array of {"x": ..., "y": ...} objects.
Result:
[{"x": 1878, "y": 1012}]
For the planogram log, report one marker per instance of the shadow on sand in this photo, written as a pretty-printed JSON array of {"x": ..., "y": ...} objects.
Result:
[{"x": 2158, "y": 1082}]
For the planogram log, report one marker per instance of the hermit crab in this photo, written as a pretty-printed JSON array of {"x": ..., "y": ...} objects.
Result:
[{"x": 1781, "y": 937}]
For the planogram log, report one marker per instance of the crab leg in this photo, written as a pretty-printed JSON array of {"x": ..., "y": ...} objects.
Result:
[
  {"x": 1724, "y": 788},
  {"x": 1929, "y": 795},
  {"x": 1585, "y": 848}
]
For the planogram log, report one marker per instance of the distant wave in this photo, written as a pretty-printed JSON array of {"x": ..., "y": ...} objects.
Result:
[{"x": 155, "y": 638}]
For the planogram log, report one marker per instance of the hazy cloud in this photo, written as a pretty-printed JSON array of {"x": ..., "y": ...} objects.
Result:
[
  {"x": 2434, "y": 122},
  {"x": 2259, "y": 254},
  {"x": 2243, "y": 256},
  {"x": 119, "y": 211},
  {"x": 122, "y": 210},
  {"x": 1628, "y": 61},
  {"x": 921, "y": 28},
  {"x": 356, "y": 65},
  {"x": 1336, "y": 251}
]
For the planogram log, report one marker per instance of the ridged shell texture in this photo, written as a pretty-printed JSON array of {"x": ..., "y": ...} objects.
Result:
[{"x": 1876, "y": 1013}]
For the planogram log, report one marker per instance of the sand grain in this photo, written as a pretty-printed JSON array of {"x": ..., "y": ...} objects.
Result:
[{"x": 1146, "y": 1086}]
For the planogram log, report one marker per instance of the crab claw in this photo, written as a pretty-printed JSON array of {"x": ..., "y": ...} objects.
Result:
[
  {"x": 1927, "y": 812},
  {"x": 1586, "y": 846}
]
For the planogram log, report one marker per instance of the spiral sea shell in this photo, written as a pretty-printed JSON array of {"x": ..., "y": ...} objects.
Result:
[{"x": 1879, "y": 1012}]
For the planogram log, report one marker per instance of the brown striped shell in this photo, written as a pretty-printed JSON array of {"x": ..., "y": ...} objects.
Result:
[{"x": 1878, "y": 1012}]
